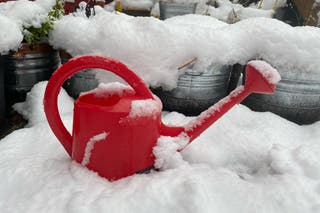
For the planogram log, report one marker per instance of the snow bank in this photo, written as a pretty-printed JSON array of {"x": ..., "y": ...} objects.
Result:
[
  {"x": 246, "y": 162},
  {"x": 184, "y": 1},
  {"x": 271, "y": 4},
  {"x": 155, "y": 49},
  {"x": 229, "y": 12},
  {"x": 110, "y": 89},
  {"x": 10, "y": 35},
  {"x": 32, "y": 109},
  {"x": 137, "y": 4}
]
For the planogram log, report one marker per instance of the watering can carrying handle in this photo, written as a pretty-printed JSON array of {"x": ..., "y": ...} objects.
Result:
[{"x": 66, "y": 71}]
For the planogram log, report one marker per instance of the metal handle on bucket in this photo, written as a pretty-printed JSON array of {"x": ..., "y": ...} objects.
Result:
[{"x": 66, "y": 71}]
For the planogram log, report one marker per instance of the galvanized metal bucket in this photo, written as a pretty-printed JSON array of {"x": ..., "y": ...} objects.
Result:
[
  {"x": 26, "y": 67},
  {"x": 80, "y": 82},
  {"x": 196, "y": 92},
  {"x": 2, "y": 99},
  {"x": 297, "y": 98},
  {"x": 168, "y": 10}
]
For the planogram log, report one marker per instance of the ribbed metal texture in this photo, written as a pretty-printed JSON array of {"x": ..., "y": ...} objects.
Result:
[
  {"x": 23, "y": 71},
  {"x": 297, "y": 98},
  {"x": 168, "y": 10},
  {"x": 196, "y": 92},
  {"x": 82, "y": 81},
  {"x": 2, "y": 99}
]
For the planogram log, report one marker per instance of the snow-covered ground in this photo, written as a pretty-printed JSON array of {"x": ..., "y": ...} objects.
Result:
[{"x": 246, "y": 162}]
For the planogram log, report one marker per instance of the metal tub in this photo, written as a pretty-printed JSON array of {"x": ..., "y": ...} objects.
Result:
[
  {"x": 82, "y": 81},
  {"x": 168, "y": 10},
  {"x": 25, "y": 68},
  {"x": 2, "y": 99},
  {"x": 196, "y": 92},
  {"x": 297, "y": 98}
]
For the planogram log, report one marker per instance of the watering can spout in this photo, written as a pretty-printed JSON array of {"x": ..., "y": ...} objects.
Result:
[{"x": 260, "y": 78}]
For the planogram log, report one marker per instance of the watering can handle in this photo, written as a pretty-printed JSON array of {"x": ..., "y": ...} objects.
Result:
[{"x": 66, "y": 71}]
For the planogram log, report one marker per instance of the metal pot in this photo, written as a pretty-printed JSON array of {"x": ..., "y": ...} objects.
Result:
[
  {"x": 26, "y": 67},
  {"x": 2, "y": 99},
  {"x": 168, "y": 10},
  {"x": 82, "y": 81},
  {"x": 297, "y": 98},
  {"x": 195, "y": 92}
]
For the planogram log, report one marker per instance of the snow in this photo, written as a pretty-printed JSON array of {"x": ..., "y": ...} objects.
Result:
[
  {"x": 14, "y": 15},
  {"x": 148, "y": 46},
  {"x": 246, "y": 162},
  {"x": 183, "y": 1},
  {"x": 10, "y": 35},
  {"x": 145, "y": 108},
  {"x": 213, "y": 110},
  {"x": 266, "y": 70},
  {"x": 109, "y": 89},
  {"x": 167, "y": 152},
  {"x": 90, "y": 147},
  {"x": 137, "y": 4},
  {"x": 231, "y": 13},
  {"x": 25, "y": 13},
  {"x": 271, "y": 4},
  {"x": 32, "y": 108}
]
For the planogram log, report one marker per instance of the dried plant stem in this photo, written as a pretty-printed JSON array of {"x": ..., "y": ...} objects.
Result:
[{"x": 188, "y": 63}]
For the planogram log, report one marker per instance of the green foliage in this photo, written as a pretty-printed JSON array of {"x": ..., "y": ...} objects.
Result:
[{"x": 33, "y": 34}]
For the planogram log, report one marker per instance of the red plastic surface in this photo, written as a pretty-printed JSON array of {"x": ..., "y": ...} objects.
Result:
[{"x": 67, "y": 70}]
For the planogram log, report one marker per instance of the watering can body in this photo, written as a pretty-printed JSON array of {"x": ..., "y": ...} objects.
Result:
[
  {"x": 114, "y": 132},
  {"x": 121, "y": 149}
]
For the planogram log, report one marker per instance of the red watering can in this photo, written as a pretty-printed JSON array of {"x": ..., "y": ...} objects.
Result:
[{"x": 114, "y": 132}]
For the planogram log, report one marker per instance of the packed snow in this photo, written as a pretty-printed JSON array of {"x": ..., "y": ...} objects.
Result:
[
  {"x": 15, "y": 15},
  {"x": 246, "y": 162},
  {"x": 148, "y": 46},
  {"x": 145, "y": 108},
  {"x": 230, "y": 12},
  {"x": 137, "y": 4},
  {"x": 11, "y": 36},
  {"x": 90, "y": 146},
  {"x": 268, "y": 72}
]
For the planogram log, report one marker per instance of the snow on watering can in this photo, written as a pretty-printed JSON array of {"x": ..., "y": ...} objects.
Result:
[{"x": 114, "y": 131}]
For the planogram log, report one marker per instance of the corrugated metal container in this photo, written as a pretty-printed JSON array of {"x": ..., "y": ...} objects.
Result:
[
  {"x": 82, "y": 81},
  {"x": 196, "y": 92},
  {"x": 2, "y": 99},
  {"x": 297, "y": 98},
  {"x": 168, "y": 10},
  {"x": 25, "y": 68},
  {"x": 133, "y": 12}
]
